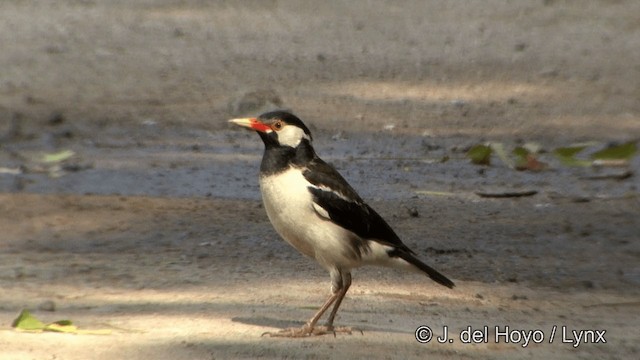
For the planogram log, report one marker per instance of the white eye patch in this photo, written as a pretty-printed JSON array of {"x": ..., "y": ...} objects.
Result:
[{"x": 291, "y": 136}]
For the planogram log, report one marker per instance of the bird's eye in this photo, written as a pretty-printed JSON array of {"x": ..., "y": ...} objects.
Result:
[{"x": 277, "y": 125}]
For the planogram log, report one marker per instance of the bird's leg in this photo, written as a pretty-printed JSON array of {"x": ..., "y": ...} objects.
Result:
[
  {"x": 309, "y": 328},
  {"x": 340, "y": 285},
  {"x": 346, "y": 281},
  {"x": 311, "y": 324}
]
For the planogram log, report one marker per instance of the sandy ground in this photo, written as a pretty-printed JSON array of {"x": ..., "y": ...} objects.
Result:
[{"x": 154, "y": 228}]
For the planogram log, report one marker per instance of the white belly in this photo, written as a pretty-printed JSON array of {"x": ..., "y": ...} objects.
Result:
[{"x": 289, "y": 206}]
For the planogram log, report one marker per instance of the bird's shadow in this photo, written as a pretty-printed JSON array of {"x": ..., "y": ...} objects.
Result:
[{"x": 284, "y": 324}]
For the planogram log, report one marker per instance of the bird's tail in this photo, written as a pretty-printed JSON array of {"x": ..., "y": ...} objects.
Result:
[{"x": 431, "y": 272}]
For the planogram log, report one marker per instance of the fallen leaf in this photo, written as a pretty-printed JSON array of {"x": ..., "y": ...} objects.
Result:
[
  {"x": 26, "y": 321},
  {"x": 610, "y": 163},
  {"x": 614, "y": 176},
  {"x": 480, "y": 154},
  {"x": 533, "y": 164},
  {"x": 567, "y": 155},
  {"x": 506, "y": 194},
  {"x": 63, "y": 326},
  {"x": 532, "y": 147},
  {"x": 617, "y": 152},
  {"x": 569, "y": 151},
  {"x": 521, "y": 154},
  {"x": 528, "y": 161},
  {"x": 57, "y": 157},
  {"x": 498, "y": 148}
]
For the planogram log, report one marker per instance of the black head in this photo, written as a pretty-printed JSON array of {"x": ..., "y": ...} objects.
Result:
[
  {"x": 286, "y": 118},
  {"x": 277, "y": 128}
]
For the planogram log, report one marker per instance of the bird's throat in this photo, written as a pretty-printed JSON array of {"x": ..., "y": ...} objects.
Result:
[{"x": 278, "y": 158}]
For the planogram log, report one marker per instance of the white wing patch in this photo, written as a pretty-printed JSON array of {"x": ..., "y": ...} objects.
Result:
[
  {"x": 321, "y": 211},
  {"x": 334, "y": 192}
]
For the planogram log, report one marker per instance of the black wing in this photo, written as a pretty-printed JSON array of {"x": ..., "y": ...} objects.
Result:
[{"x": 345, "y": 207}]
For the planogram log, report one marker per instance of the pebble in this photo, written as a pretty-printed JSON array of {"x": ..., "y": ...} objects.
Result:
[{"x": 47, "y": 305}]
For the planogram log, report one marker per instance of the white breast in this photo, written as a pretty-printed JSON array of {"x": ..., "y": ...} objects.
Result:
[{"x": 289, "y": 205}]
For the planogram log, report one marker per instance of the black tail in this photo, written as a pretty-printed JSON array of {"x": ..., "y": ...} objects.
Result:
[{"x": 431, "y": 272}]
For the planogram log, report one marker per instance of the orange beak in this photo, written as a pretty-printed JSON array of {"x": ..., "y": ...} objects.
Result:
[{"x": 251, "y": 123}]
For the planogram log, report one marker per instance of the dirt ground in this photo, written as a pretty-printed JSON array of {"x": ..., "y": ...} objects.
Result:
[{"x": 153, "y": 229}]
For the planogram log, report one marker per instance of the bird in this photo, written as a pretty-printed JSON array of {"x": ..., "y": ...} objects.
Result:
[{"x": 314, "y": 209}]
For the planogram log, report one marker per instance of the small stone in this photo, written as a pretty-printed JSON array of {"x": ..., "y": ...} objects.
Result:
[
  {"x": 47, "y": 305},
  {"x": 177, "y": 32},
  {"x": 588, "y": 284},
  {"x": 520, "y": 47},
  {"x": 56, "y": 118},
  {"x": 55, "y": 49},
  {"x": 458, "y": 103},
  {"x": 549, "y": 73}
]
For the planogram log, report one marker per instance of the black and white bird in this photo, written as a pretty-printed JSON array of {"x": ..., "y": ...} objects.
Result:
[{"x": 316, "y": 211}]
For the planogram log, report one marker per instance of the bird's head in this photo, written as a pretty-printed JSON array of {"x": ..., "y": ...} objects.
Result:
[{"x": 277, "y": 128}]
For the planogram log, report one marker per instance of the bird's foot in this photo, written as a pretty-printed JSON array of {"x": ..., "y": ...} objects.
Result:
[
  {"x": 303, "y": 331},
  {"x": 339, "y": 329},
  {"x": 307, "y": 331}
]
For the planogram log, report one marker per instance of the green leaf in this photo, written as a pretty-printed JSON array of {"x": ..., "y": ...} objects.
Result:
[
  {"x": 63, "y": 322},
  {"x": 569, "y": 151},
  {"x": 571, "y": 161},
  {"x": 63, "y": 326},
  {"x": 480, "y": 154},
  {"x": 567, "y": 155},
  {"x": 618, "y": 152},
  {"x": 57, "y": 157},
  {"x": 26, "y": 321},
  {"x": 521, "y": 152}
]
